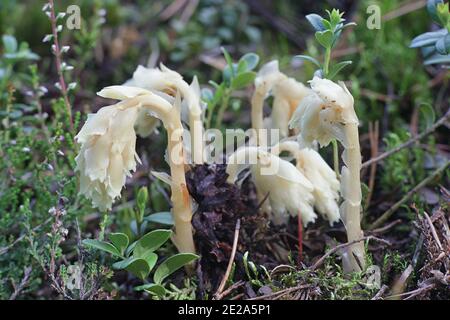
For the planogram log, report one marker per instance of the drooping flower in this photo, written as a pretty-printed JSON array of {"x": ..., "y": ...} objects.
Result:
[
  {"x": 289, "y": 192},
  {"x": 328, "y": 114},
  {"x": 318, "y": 172},
  {"x": 323, "y": 114},
  {"x": 107, "y": 154},
  {"x": 287, "y": 94},
  {"x": 170, "y": 82}
]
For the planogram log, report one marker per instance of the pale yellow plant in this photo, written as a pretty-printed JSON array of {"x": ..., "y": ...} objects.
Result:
[
  {"x": 168, "y": 81},
  {"x": 328, "y": 113},
  {"x": 288, "y": 191},
  {"x": 326, "y": 185},
  {"x": 108, "y": 153},
  {"x": 287, "y": 94}
]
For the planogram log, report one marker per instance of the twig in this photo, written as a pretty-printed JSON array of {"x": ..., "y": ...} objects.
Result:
[
  {"x": 431, "y": 129},
  {"x": 23, "y": 283},
  {"x": 404, "y": 9},
  {"x": 57, "y": 53},
  {"x": 405, "y": 198},
  {"x": 380, "y": 292},
  {"x": 343, "y": 245},
  {"x": 230, "y": 289},
  {"x": 230, "y": 262},
  {"x": 280, "y": 293},
  {"x": 412, "y": 293},
  {"x": 386, "y": 227},
  {"x": 433, "y": 231},
  {"x": 400, "y": 284},
  {"x": 374, "y": 133},
  {"x": 5, "y": 249}
]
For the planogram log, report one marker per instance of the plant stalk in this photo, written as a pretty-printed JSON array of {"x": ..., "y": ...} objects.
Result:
[
  {"x": 182, "y": 212},
  {"x": 350, "y": 209}
]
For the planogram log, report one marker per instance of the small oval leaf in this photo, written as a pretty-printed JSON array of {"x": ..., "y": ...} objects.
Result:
[
  {"x": 172, "y": 264},
  {"x": 243, "y": 79},
  {"x": 101, "y": 245},
  {"x": 161, "y": 218},
  {"x": 120, "y": 241},
  {"x": 151, "y": 242}
]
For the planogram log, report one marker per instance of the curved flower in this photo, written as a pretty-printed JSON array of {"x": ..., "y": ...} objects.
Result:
[
  {"x": 288, "y": 190},
  {"x": 107, "y": 154},
  {"x": 169, "y": 82},
  {"x": 329, "y": 114},
  {"x": 287, "y": 94},
  {"x": 318, "y": 172},
  {"x": 324, "y": 113}
]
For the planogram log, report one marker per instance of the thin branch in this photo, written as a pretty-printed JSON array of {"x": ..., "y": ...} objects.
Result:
[
  {"x": 433, "y": 231},
  {"x": 230, "y": 262},
  {"x": 374, "y": 134},
  {"x": 431, "y": 129},
  {"x": 405, "y": 198},
  {"x": 23, "y": 283},
  {"x": 57, "y": 53},
  {"x": 380, "y": 293},
  {"x": 343, "y": 245},
  {"x": 280, "y": 293}
]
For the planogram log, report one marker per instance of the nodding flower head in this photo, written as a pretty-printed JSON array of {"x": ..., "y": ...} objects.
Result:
[
  {"x": 322, "y": 115},
  {"x": 267, "y": 77},
  {"x": 326, "y": 185},
  {"x": 108, "y": 142},
  {"x": 108, "y": 153},
  {"x": 287, "y": 189},
  {"x": 287, "y": 94},
  {"x": 168, "y": 81}
]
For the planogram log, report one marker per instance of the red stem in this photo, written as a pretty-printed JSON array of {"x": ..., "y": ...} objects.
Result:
[
  {"x": 300, "y": 239},
  {"x": 57, "y": 53}
]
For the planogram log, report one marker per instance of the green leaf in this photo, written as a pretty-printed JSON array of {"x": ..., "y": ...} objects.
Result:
[
  {"x": 102, "y": 245},
  {"x": 172, "y": 264},
  {"x": 316, "y": 21},
  {"x": 242, "y": 66},
  {"x": 227, "y": 56},
  {"x": 438, "y": 59},
  {"x": 243, "y": 79},
  {"x": 137, "y": 266},
  {"x": 120, "y": 241},
  {"x": 427, "y": 112},
  {"x": 308, "y": 58},
  {"x": 10, "y": 43},
  {"x": 335, "y": 69},
  {"x": 161, "y": 218},
  {"x": 142, "y": 199},
  {"x": 252, "y": 60},
  {"x": 432, "y": 9},
  {"x": 443, "y": 45},
  {"x": 427, "y": 39},
  {"x": 325, "y": 38},
  {"x": 152, "y": 288},
  {"x": 151, "y": 242},
  {"x": 207, "y": 95}
]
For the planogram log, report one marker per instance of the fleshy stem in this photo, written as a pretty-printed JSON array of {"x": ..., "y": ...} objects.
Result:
[
  {"x": 57, "y": 53},
  {"x": 181, "y": 201}
]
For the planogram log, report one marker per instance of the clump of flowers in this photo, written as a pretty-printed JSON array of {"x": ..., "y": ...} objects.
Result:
[{"x": 108, "y": 153}]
